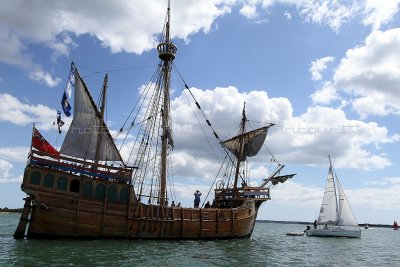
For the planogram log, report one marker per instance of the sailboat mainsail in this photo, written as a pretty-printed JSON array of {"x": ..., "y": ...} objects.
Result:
[
  {"x": 328, "y": 213},
  {"x": 86, "y": 128}
]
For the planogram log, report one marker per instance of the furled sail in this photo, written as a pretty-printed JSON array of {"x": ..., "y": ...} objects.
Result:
[
  {"x": 252, "y": 143},
  {"x": 329, "y": 213},
  {"x": 85, "y": 129}
]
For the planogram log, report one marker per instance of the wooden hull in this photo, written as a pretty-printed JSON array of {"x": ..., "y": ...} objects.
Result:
[{"x": 61, "y": 213}]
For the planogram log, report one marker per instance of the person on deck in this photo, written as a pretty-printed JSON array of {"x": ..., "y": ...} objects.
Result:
[
  {"x": 207, "y": 205},
  {"x": 197, "y": 195},
  {"x": 315, "y": 224},
  {"x": 173, "y": 204}
]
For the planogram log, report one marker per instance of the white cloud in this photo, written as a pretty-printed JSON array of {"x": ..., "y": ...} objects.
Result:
[
  {"x": 297, "y": 194},
  {"x": 18, "y": 154},
  {"x": 318, "y": 66},
  {"x": 307, "y": 138},
  {"x": 371, "y": 74},
  {"x": 13, "y": 52},
  {"x": 380, "y": 194},
  {"x": 377, "y": 12},
  {"x": 378, "y": 197},
  {"x": 249, "y": 11},
  {"x": 5, "y": 168},
  {"x": 310, "y": 137},
  {"x": 287, "y": 15},
  {"x": 192, "y": 167},
  {"x": 304, "y": 200},
  {"x": 41, "y": 76},
  {"x": 55, "y": 24},
  {"x": 14, "y": 111},
  {"x": 5, "y": 175},
  {"x": 335, "y": 13},
  {"x": 110, "y": 22},
  {"x": 113, "y": 23},
  {"x": 332, "y": 13},
  {"x": 325, "y": 95}
]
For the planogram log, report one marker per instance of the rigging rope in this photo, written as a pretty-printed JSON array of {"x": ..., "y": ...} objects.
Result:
[
  {"x": 215, "y": 179},
  {"x": 111, "y": 70},
  {"x": 205, "y": 117}
]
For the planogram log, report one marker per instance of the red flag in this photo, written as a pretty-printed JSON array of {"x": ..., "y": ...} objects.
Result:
[{"x": 41, "y": 144}]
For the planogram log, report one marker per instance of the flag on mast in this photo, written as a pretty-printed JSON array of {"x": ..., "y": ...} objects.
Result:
[
  {"x": 41, "y": 144},
  {"x": 66, "y": 106}
]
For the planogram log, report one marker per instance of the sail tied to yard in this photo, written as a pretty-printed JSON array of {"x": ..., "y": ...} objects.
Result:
[
  {"x": 252, "y": 143},
  {"x": 87, "y": 128}
]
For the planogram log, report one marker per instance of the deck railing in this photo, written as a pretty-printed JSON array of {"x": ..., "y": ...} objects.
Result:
[
  {"x": 243, "y": 192},
  {"x": 79, "y": 167}
]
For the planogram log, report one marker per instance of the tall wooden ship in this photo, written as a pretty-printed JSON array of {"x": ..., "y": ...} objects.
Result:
[{"x": 86, "y": 190}]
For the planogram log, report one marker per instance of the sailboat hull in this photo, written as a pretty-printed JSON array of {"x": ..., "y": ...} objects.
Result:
[
  {"x": 62, "y": 213},
  {"x": 334, "y": 232}
]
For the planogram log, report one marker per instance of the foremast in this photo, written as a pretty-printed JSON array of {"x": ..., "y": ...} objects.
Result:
[{"x": 166, "y": 52}]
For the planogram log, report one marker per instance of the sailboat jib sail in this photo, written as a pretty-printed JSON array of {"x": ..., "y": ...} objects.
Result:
[
  {"x": 252, "y": 142},
  {"x": 345, "y": 214},
  {"x": 86, "y": 128}
]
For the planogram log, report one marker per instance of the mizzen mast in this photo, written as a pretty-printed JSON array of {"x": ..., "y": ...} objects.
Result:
[{"x": 166, "y": 52}]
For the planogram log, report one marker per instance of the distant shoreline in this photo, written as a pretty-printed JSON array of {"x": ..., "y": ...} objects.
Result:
[
  {"x": 311, "y": 223},
  {"x": 7, "y": 210}
]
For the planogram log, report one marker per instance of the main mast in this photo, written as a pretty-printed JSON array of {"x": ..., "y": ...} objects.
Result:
[
  {"x": 334, "y": 188},
  {"x": 240, "y": 154},
  {"x": 101, "y": 126},
  {"x": 166, "y": 52}
]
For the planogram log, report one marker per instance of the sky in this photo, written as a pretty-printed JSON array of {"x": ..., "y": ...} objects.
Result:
[{"x": 326, "y": 73}]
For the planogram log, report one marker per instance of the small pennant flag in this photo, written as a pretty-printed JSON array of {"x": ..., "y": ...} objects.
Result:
[{"x": 66, "y": 106}]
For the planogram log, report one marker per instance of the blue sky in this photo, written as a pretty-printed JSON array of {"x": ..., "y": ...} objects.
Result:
[{"x": 327, "y": 73}]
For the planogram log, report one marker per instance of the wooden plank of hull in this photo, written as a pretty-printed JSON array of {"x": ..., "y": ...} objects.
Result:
[
  {"x": 68, "y": 214},
  {"x": 61, "y": 222}
]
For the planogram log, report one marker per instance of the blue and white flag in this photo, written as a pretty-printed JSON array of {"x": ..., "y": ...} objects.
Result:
[{"x": 66, "y": 106}]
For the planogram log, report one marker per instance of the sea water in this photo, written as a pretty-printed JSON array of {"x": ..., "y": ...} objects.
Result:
[{"x": 268, "y": 246}]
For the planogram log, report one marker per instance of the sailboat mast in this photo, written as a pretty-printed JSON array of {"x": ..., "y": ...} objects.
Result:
[
  {"x": 166, "y": 52},
  {"x": 100, "y": 130},
  {"x": 334, "y": 187},
  {"x": 241, "y": 145}
]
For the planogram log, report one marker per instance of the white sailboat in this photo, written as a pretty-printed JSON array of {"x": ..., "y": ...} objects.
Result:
[{"x": 336, "y": 218}]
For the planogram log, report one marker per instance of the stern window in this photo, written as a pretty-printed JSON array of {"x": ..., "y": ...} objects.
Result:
[
  {"x": 74, "y": 186},
  {"x": 49, "y": 180},
  {"x": 62, "y": 183},
  {"x": 35, "y": 178},
  {"x": 100, "y": 192}
]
